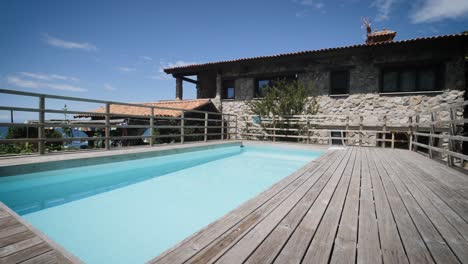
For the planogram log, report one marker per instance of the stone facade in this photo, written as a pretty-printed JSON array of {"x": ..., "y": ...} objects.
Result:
[{"x": 365, "y": 66}]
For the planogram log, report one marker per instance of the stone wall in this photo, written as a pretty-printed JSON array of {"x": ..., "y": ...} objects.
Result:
[{"x": 371, "y": 106}]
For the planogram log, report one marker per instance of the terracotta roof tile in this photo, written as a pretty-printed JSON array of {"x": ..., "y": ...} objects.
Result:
[
  {"x": 134, "y": 110},
  {"x": 204, "y": 65}
]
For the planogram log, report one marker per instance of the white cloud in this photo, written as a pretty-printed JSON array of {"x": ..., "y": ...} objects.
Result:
[
  {"x": 436, "y": 10},
  {"x": 161, "y": 75},
  {"x": 318, "y": 4},
  {"x": 49, "y": 77},
  {"x": 65, "y": 44},
  {"x": 384, "y": 8},
  {"x": 24, "y": 83},
  {"x": 146, "y": 58},
  {"x": 109, "y": 87},
  {"x": 125, "y": 69}
]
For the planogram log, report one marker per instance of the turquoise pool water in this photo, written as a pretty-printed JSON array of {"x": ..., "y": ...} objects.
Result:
[{"x": 129, "y": 212}]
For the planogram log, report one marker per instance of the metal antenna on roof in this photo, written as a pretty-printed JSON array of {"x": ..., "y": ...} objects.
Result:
[{"x": 366, "y": 22}]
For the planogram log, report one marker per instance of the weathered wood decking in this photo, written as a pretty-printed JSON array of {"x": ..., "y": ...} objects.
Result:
[
  {"x": 21, "y": 243},
  {"x": 361, "y": 205}
]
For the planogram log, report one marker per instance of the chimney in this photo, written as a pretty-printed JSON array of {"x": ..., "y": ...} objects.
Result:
[{"x": 383, "y": 35}]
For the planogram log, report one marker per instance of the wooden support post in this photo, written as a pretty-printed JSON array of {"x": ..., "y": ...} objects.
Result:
[
  {"x": 393, "y": 140},
  {"x": 206, "y": 128},
  {"x": 274, "y": 129},
  {"x": 107, "y": 128},
  {"x": 452, "y": 132},
  {"x": 41, "y": 131},
  {"x": 222, "y": 127},
  {"x": 152, "y": 127},
  {"x": 182, "y": 127},
  {"x": 416, "y": 129},
  {"x": 410, "y": 133},
  {"x": 179, "y": 88},
  {"x": 432, "y": 132},
  {"x": 219, "y": 85},
  {"x": 237, "y": 130},
  {"x": 11, "y": 116},
  {"x": 384, "y": 129},
  {"x": 307, "y": 129},
  {"x": 361, "y": 118},
  {"x": 347, "y": 128}
]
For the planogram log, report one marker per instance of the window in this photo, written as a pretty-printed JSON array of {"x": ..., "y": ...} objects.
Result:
[
  {"x": 228, "y": 89},
  {"x": 411, "y": 79},
  {"x": 339, "y": 82},
  {"x": 262, "y": 84}
]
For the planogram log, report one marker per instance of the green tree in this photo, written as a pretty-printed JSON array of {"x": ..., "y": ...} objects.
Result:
[{"x": 284, "y": 98}]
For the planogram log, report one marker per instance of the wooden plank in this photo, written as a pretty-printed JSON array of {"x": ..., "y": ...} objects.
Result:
[
  {"x": 49, "y": 257},
  {"x": 251, "y": 235},
  {"x": 15, "y": 238},
  {"x": 22, "y": 241},
  {"x": 272, "y": 244},
  {"x": 368, "y": 250},
  {"x": 322, "y": 243},
  {"x": 454, "y": 179},
  {"x": 344, "y": 250},
  {"x": 197, "y": 242},
  {"x": 12, "y": 231},
  {"x": 7, "y": 222},
  {"x": 414, "y": 244},
  {"x": 438, "y": 247},
  {"x": 441, "y": 187},
  {"x": 456, "y": 242},
  {"x": 26, "y": 254},
  {"x": 390, "y": 242},
  {"x": 21, "y": 245},
  {"x": 451, "y": 216},
  {"x": 297, "y": 245}
]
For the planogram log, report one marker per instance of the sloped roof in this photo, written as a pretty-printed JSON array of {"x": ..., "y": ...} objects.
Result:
[
  {"x": 134, "y": 110},
  {"x": 385, "y": 43}
]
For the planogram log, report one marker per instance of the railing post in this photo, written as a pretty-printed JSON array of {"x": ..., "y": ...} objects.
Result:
[
  {"x": 152, "y": 127},
  {"x": 41, "y": 131},
  {"x": 206, "y": 128},
  {"x": 452, "y": 132},
  {"x": 307, "y": 129},
  {"x": 107, "y": 128},
  {"x": 361, "y": 118},
  {"x": 431, "y": 132},
  {"x": 237, "y": 131},
  {"x": 384, "y": 129},
  {"x": 393, "y": 140},
  {"x": 416, "y": 129},
  {"x": 182, "y": 127},
  {"x": 347, "y": 128},
  {"x": 222, "y": 127},
  {"x": 410, "y": 133},
  {"x": 274, "y": 129}
]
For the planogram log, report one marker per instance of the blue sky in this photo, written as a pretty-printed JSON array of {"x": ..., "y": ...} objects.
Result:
[{"x": 115, "y": 50}]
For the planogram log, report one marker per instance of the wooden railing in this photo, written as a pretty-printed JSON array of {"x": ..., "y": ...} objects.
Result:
[
  {"x": 352, "y": 129},
  {"x": 223, "y": 131},
  {"x": 447, "y": 124},
  {"x": 441, "y": 133}
]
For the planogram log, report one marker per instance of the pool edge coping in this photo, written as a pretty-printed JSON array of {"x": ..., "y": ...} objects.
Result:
[
  {"x": 49, "y": 241},
  {"x": 28, "y": 164}
]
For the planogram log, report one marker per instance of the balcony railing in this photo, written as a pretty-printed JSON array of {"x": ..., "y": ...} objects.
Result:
[{"x": 208, "y": 124}]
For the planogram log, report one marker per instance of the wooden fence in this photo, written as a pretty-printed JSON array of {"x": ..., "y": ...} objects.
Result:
[{"x": 222, "y": 120}]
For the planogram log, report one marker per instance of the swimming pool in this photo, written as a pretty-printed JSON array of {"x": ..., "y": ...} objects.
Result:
[{"x": 130, "y": 211}]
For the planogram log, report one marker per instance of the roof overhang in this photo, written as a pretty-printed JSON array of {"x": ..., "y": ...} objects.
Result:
[{"x": 195, "y": 68}]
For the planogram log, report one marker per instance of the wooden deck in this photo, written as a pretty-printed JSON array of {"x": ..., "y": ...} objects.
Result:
[
  {"x": 21, "y": 243},
  {"x": 360, "y": 205}
]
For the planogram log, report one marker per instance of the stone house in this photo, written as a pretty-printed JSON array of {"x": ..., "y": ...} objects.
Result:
[
  {"x": 165, "y": 116},
  {"x": 380, "y": 77}
]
